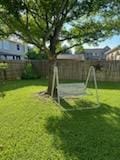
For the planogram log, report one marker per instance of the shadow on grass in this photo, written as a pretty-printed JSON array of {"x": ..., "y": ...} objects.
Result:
[
  {"x": 87, "y": 135},
  {"x": 2, "y": 94},
  {"x": 78, "y": 104},
  {"x": 12, "y": 85}
]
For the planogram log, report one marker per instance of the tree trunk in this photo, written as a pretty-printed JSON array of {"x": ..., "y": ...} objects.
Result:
[{"x": 52, "y": 63}]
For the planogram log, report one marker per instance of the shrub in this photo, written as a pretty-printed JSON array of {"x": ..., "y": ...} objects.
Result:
[
  {"x": 35, "y": 54},
  {"x": 29, "y": 72},
  {"x": 3, "y": 66}
]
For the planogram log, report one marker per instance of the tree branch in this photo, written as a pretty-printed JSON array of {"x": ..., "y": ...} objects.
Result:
[
  {"x": 68, "y": 38},
  {"x": 64, "y": 50}
]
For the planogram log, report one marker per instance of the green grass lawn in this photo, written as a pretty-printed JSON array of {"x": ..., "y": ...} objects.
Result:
[{"x": 34, "y": 128}]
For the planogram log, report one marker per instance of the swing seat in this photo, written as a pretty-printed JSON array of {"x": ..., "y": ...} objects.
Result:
[{"x": 71, "y": 89}]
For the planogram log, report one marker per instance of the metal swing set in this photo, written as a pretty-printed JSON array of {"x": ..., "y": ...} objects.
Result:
[{"x": 74, "y": 90}]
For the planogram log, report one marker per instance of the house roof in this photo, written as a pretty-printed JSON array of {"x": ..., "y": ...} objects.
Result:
[
  {"x": 93, "y": 50},
  {"x": 96, "y": 50}
]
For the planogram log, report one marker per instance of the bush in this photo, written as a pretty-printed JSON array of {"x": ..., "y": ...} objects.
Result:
[
  {"x": 35, "y": 54},
  {"x": 3, "y": 66},
  {"x": 29, "y": 72}
]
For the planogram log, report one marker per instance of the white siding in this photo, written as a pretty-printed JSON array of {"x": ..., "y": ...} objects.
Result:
[
  {"x": 13, "y": 48},
  {"x": 114, "y": 55},
  {"x": 6, "y": 45},
  {"x": 0, "y": 44}
]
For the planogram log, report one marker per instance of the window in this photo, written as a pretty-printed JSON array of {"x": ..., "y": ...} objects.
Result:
[
  {"x": 2, "y": 57},
  {"x": 89, "y": 54},
  {"x": 97, "y": 54},
  {"x": 10, "y": 57},
  {"x": 17, "y": 57},
  {"x": 18, "y": 47}
]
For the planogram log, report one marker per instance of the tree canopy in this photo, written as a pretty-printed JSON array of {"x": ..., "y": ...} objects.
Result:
[{"x": 47, "y": 24}]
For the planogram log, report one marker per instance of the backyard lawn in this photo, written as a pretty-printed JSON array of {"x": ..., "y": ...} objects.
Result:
[{"x": 34, "y": 128}]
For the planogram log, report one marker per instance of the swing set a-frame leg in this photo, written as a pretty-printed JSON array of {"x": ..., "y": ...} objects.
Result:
[
  {"x": 55, "y": 82},
  {"x": 92, "y": 69}
]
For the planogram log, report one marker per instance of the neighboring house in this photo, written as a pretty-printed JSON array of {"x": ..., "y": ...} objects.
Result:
[
  {"x": 71, "y": 57},
  {"x": 11, "y": 50},
  {"x": 95, "y": 53},
  {"x": 113, "y": 54}
]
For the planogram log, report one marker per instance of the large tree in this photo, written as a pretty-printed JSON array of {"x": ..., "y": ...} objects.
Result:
[{"x": 49, "y": 23}]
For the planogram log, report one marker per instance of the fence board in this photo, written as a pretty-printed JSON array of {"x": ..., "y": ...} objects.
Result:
[{"x": 68, "y": 69}]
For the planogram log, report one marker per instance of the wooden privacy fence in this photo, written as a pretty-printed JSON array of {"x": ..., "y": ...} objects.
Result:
[
  {"x": 68, "y": 69},
  {"x": 14, "y": 70}
]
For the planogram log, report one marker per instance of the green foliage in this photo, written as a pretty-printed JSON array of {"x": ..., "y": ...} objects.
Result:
[
  {"x": 35, "y": 54},
  {"x": 47, "y": 23},
  {"x": 65, "y": 50},
  {"x": 3, "y": 66},
  {"x": 29, "y": 72},
  {"x": 78, "y": 49},
  {"x": 33, "y": 128}
]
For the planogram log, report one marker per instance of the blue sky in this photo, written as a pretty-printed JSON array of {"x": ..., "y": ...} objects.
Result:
[{"x": 111, "y": 42}]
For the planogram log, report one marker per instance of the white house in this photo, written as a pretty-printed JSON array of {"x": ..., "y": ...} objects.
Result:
[
  {"x": 11, "y": 50},
  {"x": 113, "y": 54}
]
